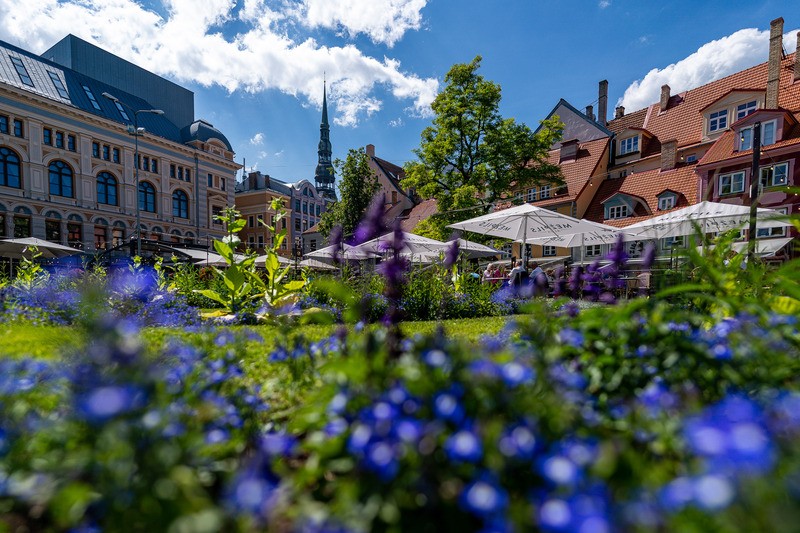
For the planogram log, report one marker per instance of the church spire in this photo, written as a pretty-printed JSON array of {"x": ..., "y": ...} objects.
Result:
[{"x": 324, "y": 175}]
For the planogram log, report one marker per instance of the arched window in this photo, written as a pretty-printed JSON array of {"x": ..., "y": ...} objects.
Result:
[
  {"x": 60, "y": 179},
  {"x": 180, "y": 204},
  {"x": 147, "y": 197},
  {"x": 9, "y": 168},
  {"x": 107, "y": 189}
]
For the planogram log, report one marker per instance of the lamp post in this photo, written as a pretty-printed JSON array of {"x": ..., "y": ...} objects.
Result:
[
  {"x": 298, "y": 253},
  {"x": 136, "y": 132}
]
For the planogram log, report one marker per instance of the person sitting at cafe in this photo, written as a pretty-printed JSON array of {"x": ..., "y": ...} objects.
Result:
[
  {"x": 518, "y": 273},
  {"x": 536, "y": 271}
]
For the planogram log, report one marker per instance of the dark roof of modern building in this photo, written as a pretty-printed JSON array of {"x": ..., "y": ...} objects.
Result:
[
  {"x": 39, "y": 72},
  {"x": 200, "y": 130}
]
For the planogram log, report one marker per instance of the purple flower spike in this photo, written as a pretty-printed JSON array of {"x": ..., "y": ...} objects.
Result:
[
  {"x": 451, "y": 255},
  {"x": 649, "y": 255},
  {"x": 372, "y": 225},
  {"x": 336, "y": 240}
]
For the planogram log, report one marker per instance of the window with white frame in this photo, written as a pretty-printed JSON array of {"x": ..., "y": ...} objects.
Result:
[
  {"x": 742, "y": 110},
  {"x": 548, "y": 251},
  {"x": 532, "y": 194},
  {"x": 617, "y": 211},
  {"x": 718, "y": 120},
  {"x": 518, "y": 196},
  {"x": 629, "y": 145},
  {"x": 772, "y": 232},
  {"x": 545, "y": 192},
  {"x": 593, "y": 250},
  {"x": 731, "y": 183},
  {"x": 767, "y": 135},
  {"x": 666, "y": 202},
  {"x": 774, "y": 175}
]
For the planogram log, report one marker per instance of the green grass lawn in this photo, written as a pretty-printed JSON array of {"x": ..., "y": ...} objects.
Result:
[{"x": 28, "y": 340}]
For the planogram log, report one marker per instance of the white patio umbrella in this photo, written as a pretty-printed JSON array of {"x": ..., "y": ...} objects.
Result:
[
  {"x": 217, "y": 260},
  {"x": 347, "y": 252},
  {"x": 412, "y": 244},
  {"x": 474, "y": 250},
  {"x": 22, "y": 247},
  {"x": 709, "y": 216},
  {"x": 316, "y": 264},
  {"x": 525, "y": 222},
  {"x": 261, "y": 260}
]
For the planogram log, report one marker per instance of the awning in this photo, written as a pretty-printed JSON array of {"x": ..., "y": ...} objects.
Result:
[{"x": 764, "y": 247}]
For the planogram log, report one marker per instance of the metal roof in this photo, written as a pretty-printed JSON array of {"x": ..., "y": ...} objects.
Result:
[{"x": 74, "y": 82}]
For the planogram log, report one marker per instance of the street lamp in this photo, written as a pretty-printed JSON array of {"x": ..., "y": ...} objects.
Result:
[
  {"x": 298, "y": 253},
  {"x": 136, "y": 131}
]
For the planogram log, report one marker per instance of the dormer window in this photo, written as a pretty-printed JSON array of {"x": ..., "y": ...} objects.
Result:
[
  {"x": 617, "y": 211},
  {"x": 767, "y": 135},
  {"x": 742, "y": 110},
  {"x": 666, "y": 201},
  {"x": 629, "y": 145},
  {"x": 718, "y": 120}
]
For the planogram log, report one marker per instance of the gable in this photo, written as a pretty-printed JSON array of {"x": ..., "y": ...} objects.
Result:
[{"x": 576, "y": 124}]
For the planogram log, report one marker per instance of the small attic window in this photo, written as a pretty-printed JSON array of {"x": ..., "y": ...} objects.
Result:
[
  {"x": 21, "y": 71},
  {"x": 58, "y": 84},
  {"x": 90, "y": 96}
]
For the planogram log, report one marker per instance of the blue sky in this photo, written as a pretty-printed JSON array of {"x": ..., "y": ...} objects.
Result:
[{"x": 256, "y": 66}]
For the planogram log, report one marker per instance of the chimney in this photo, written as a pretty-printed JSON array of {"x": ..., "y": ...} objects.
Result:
[
  {"x": 371, "y": 150},
  {"x": 774, "y": 65},
  {"x": 619, "y": 112},
  {"x": 602, "y": 103},
  {"x": 669, "y": 151},
  {"x": 797, "y": 59},
  {"x": 569, "y": 150},
  {"x": 251, "y": 181},
  {"x": 589, "y": 112},
  {"x": 664, "y": 97}
]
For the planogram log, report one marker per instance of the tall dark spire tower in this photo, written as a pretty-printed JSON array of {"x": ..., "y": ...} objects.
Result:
[{"x": 324, "y": 177}]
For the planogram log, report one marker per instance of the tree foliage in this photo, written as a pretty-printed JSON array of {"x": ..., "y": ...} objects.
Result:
[
  {"x": 357, "y": 187},
  {"x": 473, "y": 157}
]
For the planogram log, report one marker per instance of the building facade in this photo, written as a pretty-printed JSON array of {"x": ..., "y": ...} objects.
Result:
[
  {"x": 72, "y": 146},
  {"x": 254, "y": 196}
]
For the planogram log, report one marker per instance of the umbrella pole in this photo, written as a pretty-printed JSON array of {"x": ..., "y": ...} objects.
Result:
[{"x": 524, "y": 243}]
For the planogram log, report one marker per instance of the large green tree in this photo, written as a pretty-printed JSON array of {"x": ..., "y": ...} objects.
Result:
[
  {"x": 357, "y": 186},
  {"x": 472, "y": 157}
]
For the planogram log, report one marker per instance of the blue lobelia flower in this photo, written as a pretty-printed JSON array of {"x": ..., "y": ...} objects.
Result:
[
  {"x": 484, "y": 497},
  {"x": 105, "y": 402},
  {"x": 464, "y": 446}
]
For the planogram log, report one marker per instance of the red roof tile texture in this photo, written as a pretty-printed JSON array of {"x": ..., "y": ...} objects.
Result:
[
  {"x": 577, "y": 172},
  {"x": 682, "y": 120},
  {"x": 419, "y": 212},
  {"x": 646, "y": 186}
]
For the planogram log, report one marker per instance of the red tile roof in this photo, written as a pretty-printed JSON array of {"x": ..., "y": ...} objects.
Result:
[
  {"x": 646, "y": 186},
  {"x": 683, "y": 118},
  {"x": 419, "y": 212}
]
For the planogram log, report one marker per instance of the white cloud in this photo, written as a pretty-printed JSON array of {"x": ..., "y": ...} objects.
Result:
[
  {"x": 396, "y": 123},
  {"x": 278, "y": 154},
  {"x": 604, "y": 4},
  {"x": 383, "y": 21},
  {"x": 187, "y": 40},
  {"x": 712, "y": 61},
  {"x": 257, "y": 139}
]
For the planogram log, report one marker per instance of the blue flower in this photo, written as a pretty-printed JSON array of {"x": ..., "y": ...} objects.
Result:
[
  {"x": 464, "y": 446},
  {"x": 436, "y": 358},
  {"x": 484, "y": 497},
  {"x": 571, "y": 337},
  {"x": 380, "y": 458},
  {"x": 518, "y": 442},
  {"x": 515, "y": 373},
  {"x": 106, "y": 402},
  {"x": 447, "y": 406},
  {"x": 559, "y": 470}
]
